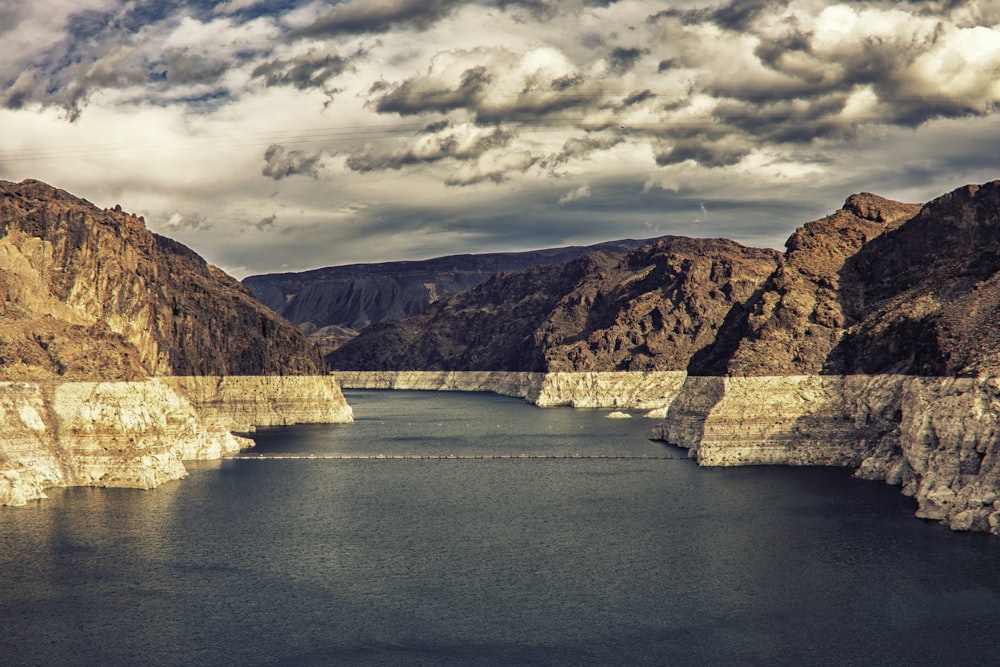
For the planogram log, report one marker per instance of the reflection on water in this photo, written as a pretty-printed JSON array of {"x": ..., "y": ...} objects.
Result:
[{"x": 490, "y": 561}]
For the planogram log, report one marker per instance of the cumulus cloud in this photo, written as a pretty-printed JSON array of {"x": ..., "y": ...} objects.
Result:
[
  {"x": 492, "y": 85},
  {"x": 178, "y": 222},
  {"x": 311, "y": 69},
  {"x": 495, "y": 166},
  {"x": 280, "y": 163},
  {"x": 582, "y": 192},
  {"x": 440, "y": 142},
  {"x": 437, "y": 103}
]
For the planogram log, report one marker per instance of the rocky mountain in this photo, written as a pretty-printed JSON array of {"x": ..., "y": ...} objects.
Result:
[
  {"x": 878, "y": 287},
  {"x": 90, "y": 294},
  {"x": 799, "y": 317},
  {"x": 333, "y": 304},
  {"x": 873, "y": 343},
  {"x": 649, "y": 310},
  {"x": 123, "y": 353}
]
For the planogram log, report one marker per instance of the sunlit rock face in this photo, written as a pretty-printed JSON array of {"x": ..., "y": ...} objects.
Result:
[
  {"x": 94, "y": 308},
  {"x": 92, "y": 294},
  {"x": 873, "y": 349}
]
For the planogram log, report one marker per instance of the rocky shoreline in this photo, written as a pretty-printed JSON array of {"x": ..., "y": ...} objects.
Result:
[
  {"x": 937, "y": 438},
  {"x": 137, "y": 434},
  {"x": 646, "y": 391}
]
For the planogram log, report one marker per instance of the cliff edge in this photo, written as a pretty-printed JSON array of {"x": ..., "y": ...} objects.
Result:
[
  {"x": 94, "y": 311},
  {"x": 874, "y": 345}
]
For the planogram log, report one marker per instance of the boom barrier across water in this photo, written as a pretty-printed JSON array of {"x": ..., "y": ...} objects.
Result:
[{"x": 441, "y": 457}]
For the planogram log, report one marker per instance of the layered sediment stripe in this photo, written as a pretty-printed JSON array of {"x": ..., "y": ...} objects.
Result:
[{"x": 137, "y": 434}]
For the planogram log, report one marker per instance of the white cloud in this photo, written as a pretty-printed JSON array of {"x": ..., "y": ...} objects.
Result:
[
  {"x": 582, "y": 192},
  {"x": 423, "y": 130}
]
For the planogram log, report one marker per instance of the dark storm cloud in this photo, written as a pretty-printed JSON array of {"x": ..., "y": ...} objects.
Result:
[
  {"x": 280, "y": 163},
  {"x": 622, "y": 60},
  {"x": 460, "y": 143},
  {"x": 365, "y": 16},
  {"x": 309, "y": 70}
]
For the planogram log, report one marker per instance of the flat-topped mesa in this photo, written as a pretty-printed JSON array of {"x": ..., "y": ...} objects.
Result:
[
  {"x": 649, "y": 310},
  {"x": 94, "y": 308}
]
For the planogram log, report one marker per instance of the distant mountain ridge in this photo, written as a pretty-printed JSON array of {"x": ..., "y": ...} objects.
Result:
[
  {"x": 333, "y": 304},
  {"x": 877, "y": 287},
  {"x": 649, "y": 309}
]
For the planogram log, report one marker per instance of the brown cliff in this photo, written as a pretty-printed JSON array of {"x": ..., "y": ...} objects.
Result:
[
  {"x": 89, "y": 294},
  {"x": 799, "y": 316},
  {"x": 648, "y": 310},
  {"x": 118, "y": 349}
]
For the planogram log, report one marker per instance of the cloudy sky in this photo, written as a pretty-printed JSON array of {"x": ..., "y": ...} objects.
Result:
[{"x": 274, "y": 135}]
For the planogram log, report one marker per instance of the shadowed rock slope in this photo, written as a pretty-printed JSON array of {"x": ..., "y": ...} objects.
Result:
[
  {"x": 650, "y": 310},
  {"x": 333, "y": 304},
  {"x": 878, "y": 287},
  {"x": 88, "y": 294}
]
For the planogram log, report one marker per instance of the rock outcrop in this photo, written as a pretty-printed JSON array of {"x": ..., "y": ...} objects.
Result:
[
  {"x": 874, "y": 343},
  {"x": 650, "y": 391},
  {"x": 98, "y": 318},
  {"x": 331, "y": 305},
  {"x": 649, "y": 311},
  {"x": 871, "y": 349},
  {"x": 92, "y": 294}
]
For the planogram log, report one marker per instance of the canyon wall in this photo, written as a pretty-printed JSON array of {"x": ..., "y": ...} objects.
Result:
[
  {"x": 650, "y": 391},
  {"x": 137, "y": 434},
  {"x": 871, "y": 343},
  {"x": 123, "y": 353},
  {"x": 938, "y": 438},
  {"x": 333, "y": 304}
]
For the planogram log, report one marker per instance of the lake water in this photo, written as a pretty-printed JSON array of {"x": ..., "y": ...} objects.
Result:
[{"x": 647, "y": 560}]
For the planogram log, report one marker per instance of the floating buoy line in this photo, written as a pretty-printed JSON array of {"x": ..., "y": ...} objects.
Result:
[{"x": 439, "y": 457}]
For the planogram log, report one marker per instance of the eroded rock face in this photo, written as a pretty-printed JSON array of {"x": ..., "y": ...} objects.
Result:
[
  {"x": 331, "y": 305},
  {"x": 875, "y": 345},
  {"x": 648, "y": 311},
  {"x": 93, "y": 307},
  {"x": 802, "y": 311},
  {"x": 91, "y": 294}
]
